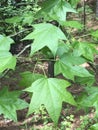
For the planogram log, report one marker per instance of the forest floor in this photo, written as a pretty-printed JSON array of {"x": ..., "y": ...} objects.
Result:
[{"x": 75, "y": 119}]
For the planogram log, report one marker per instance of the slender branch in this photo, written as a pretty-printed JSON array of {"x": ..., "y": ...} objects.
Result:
[
  {"x": 35, "y": 67},
  {"x": 84, "y": 14},
  {"x": 26, "y": 47},
  {"x": 83, "y": 35},
  {"x": 20, "y": 32},
  {"x": 4, "y": 73},
  {"x": 42, "y": 60}
]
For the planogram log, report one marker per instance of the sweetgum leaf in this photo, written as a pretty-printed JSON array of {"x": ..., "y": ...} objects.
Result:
[
  {"x": 45, "y": 34},
  {"x": 50, "y": 92},
  {"x": 7, "y": 61},
  {"x": 62, "y": 48},
  {"x": 28, "y": 78},
  {"x": 69, "y": 71},
  {"x": 86, "y": 49},
  {"x": 5, "y": 43},
  {"x": 95, "y": 34},
  {"x": 81, "y": 71},
  {"x": 27, "y": 18},
  {"x": 74, "y": 2},
  {"x": 70, "y": 59},
  {"x": 91, "y": 99},
  {"x": 73, "y": 24},
  {"x": 94, "y": 127},
  {"x": 61, "y": 68},
  {"x": 56, "y": 9},
  {"x": 13, "y": 20},
  {"x": 89, "y": 81},
  {"x": 9, "y": 103}
]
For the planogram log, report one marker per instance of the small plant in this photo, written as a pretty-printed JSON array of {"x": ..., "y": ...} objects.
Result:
[
  {"x": 67, "y": 122},
  {"x": 86, "y": 122}
]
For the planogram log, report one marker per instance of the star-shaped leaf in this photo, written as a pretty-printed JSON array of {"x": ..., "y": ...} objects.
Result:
[
  {"x": 45, "y": 34},
  {"x": 56, "y": 9},
  {"x": 89, "y": 81},
  {"x": 51, "y": 92},
  {"x": 27, "y": 78},
  {"x": 95, "y": 33},
  {"x": 9, "y": 103},
  {"x": 70, "y": 59},
  {"x": 69, "y": 71},
  {"x": 94, "y": 127},
  {"x": 7, "y": 61},
  {"x": 61, "y": 68},
  {"x": 88, "y": 50},
  {"x": 5, "y": 43},
  {"x": 73, "y": 24},
  {"x": 90, "y": 99}
]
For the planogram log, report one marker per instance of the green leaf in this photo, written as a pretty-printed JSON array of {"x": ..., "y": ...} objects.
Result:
[
  {"x": 56, "y": 9},
  {"x": 73, "y": 24},
  {"x": 51, "y": 92},
  {"x": 81, "y": 71},
  {"x": 62, "y": 48},
  {"x": 70, "y": 71},
  {"x": 45, "y": 34},
  {"x": 65, "y": 70},
  {"x": 14, "y": 20},
  {"x": 92, "y": 90},
  {"x": 71, "y": 59},
  {"x": 86, "y": 49},
  {"x": 85, "y": 80},
  {"x": 74, "y": 2},
  {"x": 94, "y": 127},
  {"x": 9, "y": 103},
  {"x": 95, "y": 34},
  {"x": 27, "y": 18},
  {"x": 7, "y": 61},
  {"x": 28, "y": 78},
  {"x": 5, "y": 43},
  {"x": 91, "y": 99},
  {"x": 46, "y": 53}
]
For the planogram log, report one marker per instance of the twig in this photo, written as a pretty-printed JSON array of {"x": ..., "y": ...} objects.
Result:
[
  {"x": 83, "y": 35},
  {"x": 16, "y": 56},
  {"x": 84, "y": 14},
  {"x": 20, "y": 32},
  {"x": 26, "y": 47}
]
